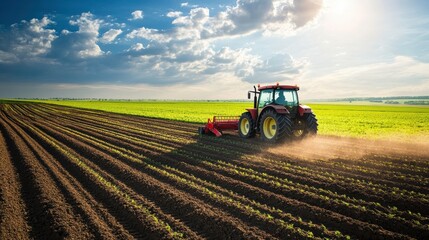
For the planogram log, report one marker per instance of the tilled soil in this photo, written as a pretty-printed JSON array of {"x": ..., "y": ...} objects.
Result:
[{"x": 83, "y": 174}]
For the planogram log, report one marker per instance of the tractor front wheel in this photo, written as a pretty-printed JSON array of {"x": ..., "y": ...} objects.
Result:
[
  {"x": 246, "y": 126},
  {"x": 274, "y": 126}
]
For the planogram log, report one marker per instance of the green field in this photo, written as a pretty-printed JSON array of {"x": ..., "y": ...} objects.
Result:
[{"x": 371, "y": 121}]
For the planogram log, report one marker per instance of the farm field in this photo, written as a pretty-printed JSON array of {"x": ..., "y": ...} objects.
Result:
[
  {"x": 78, "y": 173},
  {"x": 362, "y": 121}
]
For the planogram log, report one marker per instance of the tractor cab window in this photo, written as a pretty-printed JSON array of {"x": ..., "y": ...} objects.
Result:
[
  {"x": 265, "y": 98},
  {"x": 286, "y": 97}
]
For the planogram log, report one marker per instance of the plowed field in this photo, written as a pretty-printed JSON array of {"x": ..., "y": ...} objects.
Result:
[{"x": 73, "y": 173}]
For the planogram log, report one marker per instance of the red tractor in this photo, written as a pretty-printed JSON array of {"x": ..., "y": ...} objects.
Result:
[{"x": 276, "y": 115}]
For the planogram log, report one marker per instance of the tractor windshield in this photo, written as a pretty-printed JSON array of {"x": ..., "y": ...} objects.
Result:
[
  {"x": 286, "y": 97},
  {"x": 265, "y": 98}
]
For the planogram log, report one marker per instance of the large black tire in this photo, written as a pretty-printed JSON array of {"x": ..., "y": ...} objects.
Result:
[
  {"x": 246, "y": 126},
  {"x": 275, "y": 127},
  {"x": 311, "y": 124},
  {"x": 305, "y": 126}
]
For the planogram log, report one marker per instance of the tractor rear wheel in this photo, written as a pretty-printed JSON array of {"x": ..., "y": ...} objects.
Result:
[
  {"x": 274, "y": 126},
  {"x": 246, "y": 126},
  {"x": 305, "y": 126}
]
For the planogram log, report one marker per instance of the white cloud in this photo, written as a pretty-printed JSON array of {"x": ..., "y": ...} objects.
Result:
[
  {"x": 136, "y": 47},
  {"x": 138, "y": 14},
  {"x": 186, "y": 4},
  {"x": 149, "y": 34},
  {"x": 85, "y": 39},
  {"x": 174, "y": 14},
  {"x": 174, "y": 62},
  {"x": 111, "y": 35},
  {"x": 34, "y": 50},
  {"x": 6, "y": 57},
  {"x": 27, "y": 40},
  {"x": 249, "y": 16},
  {"x": 87, "y": 23},
  {"x": 402, "y": 76},
  {"x": 65, "y": 31},
  {"x": 240, "y": 61},
  {"x": 180, "y": 53},
  {"x": 196, "y": 19}
]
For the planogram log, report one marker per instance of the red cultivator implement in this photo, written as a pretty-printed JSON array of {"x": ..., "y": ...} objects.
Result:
[{"x": 219, "y": 124}]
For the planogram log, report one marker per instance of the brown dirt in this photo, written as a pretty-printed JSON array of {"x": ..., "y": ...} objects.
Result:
[
  {"x": 12, "y": 208},
  {"x": 73, "y": 173}
]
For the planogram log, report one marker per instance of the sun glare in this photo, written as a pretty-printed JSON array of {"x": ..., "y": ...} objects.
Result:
[
  {"x": 345, "y": 14},
  {"x": 341, "y": 8},
  {"x": 351, "y": 20}
]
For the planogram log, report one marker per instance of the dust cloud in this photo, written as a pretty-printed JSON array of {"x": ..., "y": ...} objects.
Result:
[{"x": 331, "y": 147}]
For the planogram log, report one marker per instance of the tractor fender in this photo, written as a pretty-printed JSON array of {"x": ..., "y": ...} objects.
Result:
[
  {"x": 253, "y": 112},
  {"x": 278, "y": 108},
  {"x": 303, "y": 109}
]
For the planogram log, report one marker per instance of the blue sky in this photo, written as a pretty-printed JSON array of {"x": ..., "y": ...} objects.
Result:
[{"x": 213, "y": 49}]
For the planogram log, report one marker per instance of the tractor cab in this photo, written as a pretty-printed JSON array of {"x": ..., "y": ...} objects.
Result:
[{"x": 285, "y": 97}]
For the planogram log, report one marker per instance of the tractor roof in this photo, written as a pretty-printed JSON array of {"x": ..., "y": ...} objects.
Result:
[{"x": 277, "y": 86}]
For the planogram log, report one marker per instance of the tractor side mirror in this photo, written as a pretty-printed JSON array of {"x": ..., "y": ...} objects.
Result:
[{"x": 248, "y": 95}]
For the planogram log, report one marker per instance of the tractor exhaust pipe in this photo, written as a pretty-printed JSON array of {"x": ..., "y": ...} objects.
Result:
[{"x": 255, "y": 99}]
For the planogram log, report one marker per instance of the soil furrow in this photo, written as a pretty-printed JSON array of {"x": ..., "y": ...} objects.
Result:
[
  {"x": 122, "y": 177},
  {"x": 12, "y": 208},
  {"x": 48, "y": 214},
  {"x": 75, "y": 195}
]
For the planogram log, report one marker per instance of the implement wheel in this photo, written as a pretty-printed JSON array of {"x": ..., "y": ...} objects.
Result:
[
  {"x": 201, "y": 131},
  {"x": 274, "y": 126},
  {"x": 246, "y": 126}
]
